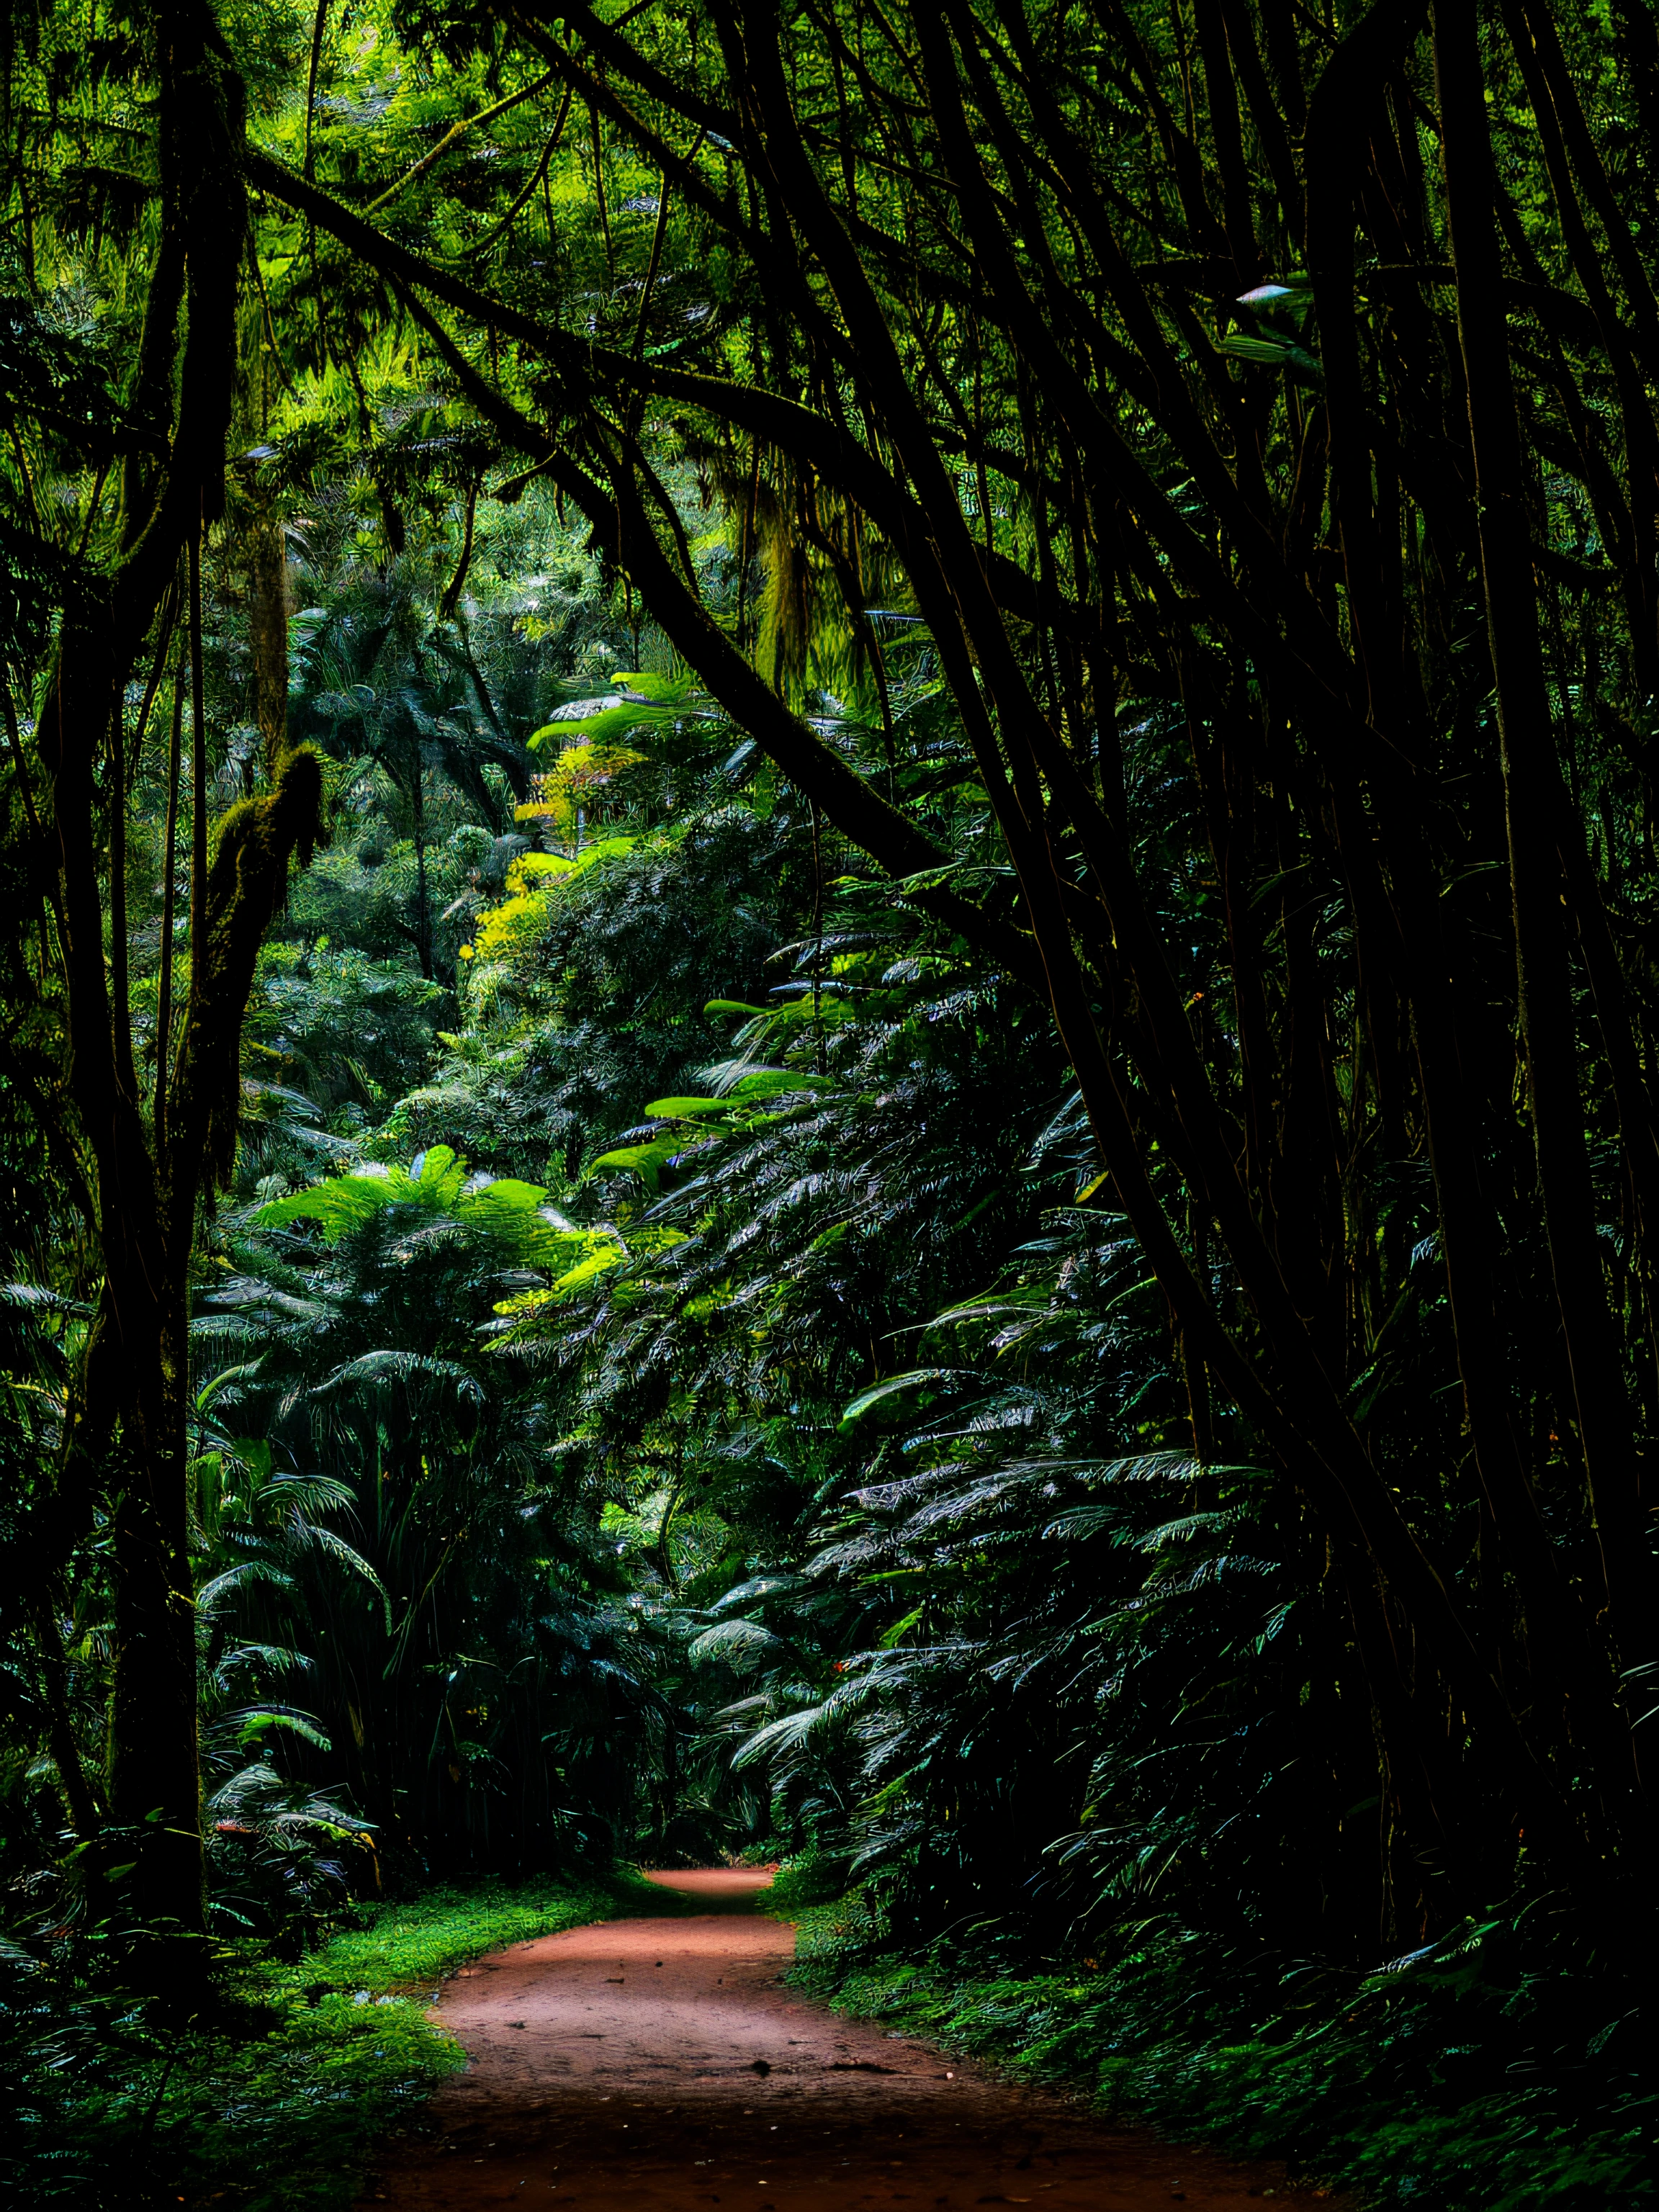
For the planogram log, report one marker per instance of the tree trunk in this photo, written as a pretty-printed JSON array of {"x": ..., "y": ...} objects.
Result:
[
  {"x": 1536, "y": 803},
  {"x": 144, "y": 1179},
  {"x": 268, "y": 614},
  {"x": 154, "y": 1781},
  {"x": 422, "y": 911}
]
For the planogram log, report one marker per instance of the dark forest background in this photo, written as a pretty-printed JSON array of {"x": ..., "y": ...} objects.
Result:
[{"x": 829, "y": 1022}]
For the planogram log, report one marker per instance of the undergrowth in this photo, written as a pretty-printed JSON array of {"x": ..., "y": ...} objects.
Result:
[
  {"x": 1496, "y": 2071},
  {"x": 276, "y": 2106},
  {"x": 809, "y": 1880}
]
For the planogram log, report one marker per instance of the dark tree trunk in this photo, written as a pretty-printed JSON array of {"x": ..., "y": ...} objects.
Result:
[
  {"x": 145, "y": 1175},
  {"x": 268, "y": 617}
]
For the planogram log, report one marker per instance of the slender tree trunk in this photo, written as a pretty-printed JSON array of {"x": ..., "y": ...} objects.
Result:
[
  {"x": 268, "y": 613},
  {"x": 79, "y": 1800},
  {"x": 1537, "y": 801},
  {"x": 143, "y": 1180},
  {"x": 422, "y": 911},
  {"x": 150, "y": 1862},
  {"x": 154, "y": 1780}
]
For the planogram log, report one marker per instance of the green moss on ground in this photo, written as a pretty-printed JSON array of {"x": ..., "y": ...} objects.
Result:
[
  {"x": 423, "y": 1939},
  {"x": 278, "y": 2107}
]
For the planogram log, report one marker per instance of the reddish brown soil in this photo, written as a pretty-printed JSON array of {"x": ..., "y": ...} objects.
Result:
[{"x": 663, "y": 2066}]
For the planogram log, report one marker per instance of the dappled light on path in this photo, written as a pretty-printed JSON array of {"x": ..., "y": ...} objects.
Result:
[{"x": 663, "y": 2065}]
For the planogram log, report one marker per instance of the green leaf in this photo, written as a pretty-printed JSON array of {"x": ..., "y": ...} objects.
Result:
[
  {"x": 256, "y": 1725},
  {"x": 890, "y": 1389},
  {"x": 1273, "y": 352},
  {"x": 891, "y": 1639},
  {"x": 646, "y": 1160},
  {"x": 685, "y": 1109},
  {"x": 773, "y": 1082},
  {"x": 738, "y": 1643}
]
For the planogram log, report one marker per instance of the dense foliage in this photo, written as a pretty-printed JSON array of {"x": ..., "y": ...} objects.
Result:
[
  {"x": 830, "y": 1015},
  {"x": 106, "y": 2106}
]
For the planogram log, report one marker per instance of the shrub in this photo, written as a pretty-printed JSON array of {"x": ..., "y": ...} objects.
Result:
[{"x": 277, "y": 2105}]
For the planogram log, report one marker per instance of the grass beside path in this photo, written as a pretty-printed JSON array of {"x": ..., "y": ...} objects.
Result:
[
  {"x": 406, "y": 1949},
  {"x": 101, "y": 2111},
  {"x": 1479, "y": 2076}
]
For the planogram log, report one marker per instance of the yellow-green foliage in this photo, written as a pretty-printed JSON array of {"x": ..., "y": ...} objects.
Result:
[
  {"x": 512, "y": 932},
  {"x": 569, "y": 785},
  {"x": 515, "y": 1214},
  {"x": 637, "y": 703}
]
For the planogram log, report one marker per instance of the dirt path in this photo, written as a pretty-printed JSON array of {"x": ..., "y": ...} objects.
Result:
[{"x": 662, "y": 2066}]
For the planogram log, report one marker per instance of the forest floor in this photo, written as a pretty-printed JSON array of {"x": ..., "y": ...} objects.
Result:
[{"x": 608, "y": 2068}]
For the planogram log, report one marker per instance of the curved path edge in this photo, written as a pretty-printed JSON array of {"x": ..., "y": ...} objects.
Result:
[{"x": 649, "y": 2065}]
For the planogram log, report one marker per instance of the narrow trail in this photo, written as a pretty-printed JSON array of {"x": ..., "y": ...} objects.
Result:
[{"x": 663, "y": 2066}]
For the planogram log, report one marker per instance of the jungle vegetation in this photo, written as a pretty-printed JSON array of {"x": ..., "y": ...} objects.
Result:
[{"x": 829, "y": 1021}]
